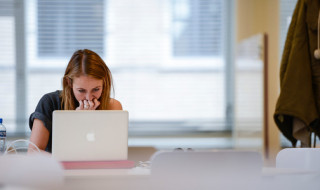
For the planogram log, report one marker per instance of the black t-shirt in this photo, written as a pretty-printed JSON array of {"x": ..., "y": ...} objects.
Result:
[{"x": 47, "y": 104}]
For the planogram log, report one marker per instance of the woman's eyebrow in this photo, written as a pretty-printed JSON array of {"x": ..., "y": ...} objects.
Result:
[{"x": 80, "y": 88}]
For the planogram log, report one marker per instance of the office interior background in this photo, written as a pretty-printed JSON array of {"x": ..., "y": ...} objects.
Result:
[{"x": 174, "y": 64}]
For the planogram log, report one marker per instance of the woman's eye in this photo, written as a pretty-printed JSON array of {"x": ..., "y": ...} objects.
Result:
[
  {"x": 96, "y": 89},
  {"x": 81, "y": 91}
]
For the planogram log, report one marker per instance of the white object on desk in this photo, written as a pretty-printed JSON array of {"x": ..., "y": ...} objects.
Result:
[{"x": 21, "y": 146}]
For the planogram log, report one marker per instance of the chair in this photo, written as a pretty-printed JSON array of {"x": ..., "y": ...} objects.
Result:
[
  {"x": 297, "y": 168},
  {"x": 299, "y": 158},
  {"x": 206, "y": 169}
]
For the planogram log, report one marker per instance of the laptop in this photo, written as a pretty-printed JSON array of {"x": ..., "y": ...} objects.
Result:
[{"x": 96, "y": 135}]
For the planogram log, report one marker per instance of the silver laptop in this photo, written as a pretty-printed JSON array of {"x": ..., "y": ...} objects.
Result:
[{"x": 98, "y": 135}]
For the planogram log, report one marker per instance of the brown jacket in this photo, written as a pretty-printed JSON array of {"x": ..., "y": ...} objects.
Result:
[{"x": 300, "y": 72}]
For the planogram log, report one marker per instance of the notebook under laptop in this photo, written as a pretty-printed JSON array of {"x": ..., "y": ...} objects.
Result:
[{"x": 98, "y": 135}]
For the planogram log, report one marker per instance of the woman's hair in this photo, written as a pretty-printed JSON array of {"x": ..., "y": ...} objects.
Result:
[{"x": 88, "y": 63}]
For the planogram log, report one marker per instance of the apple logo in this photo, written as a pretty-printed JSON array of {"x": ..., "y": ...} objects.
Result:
[{"x": 91, "y": 137}]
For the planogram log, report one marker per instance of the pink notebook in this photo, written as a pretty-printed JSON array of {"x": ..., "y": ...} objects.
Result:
[{"x": 117, "y": 164}]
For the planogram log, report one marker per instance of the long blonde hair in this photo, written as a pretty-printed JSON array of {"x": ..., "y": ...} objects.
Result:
[{"x": 88, "y": 63}]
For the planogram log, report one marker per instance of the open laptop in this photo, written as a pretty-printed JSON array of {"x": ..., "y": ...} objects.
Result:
[{"x": 99, "y": 135}]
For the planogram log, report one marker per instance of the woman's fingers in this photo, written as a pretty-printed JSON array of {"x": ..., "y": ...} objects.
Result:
[
  {"x": 91, "y": 105},
  {"x": 96, "y": 103},
  {"x": 80, "y": 105},
  {"x": 88, "y": 104}
]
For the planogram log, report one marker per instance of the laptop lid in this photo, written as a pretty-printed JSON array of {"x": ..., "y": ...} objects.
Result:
[{"x": 97, "y": 135}]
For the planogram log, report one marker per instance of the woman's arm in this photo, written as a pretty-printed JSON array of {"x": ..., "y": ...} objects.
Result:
[
  {"x": 39, "y": 135},
  {"x": 115, "y": 105}
]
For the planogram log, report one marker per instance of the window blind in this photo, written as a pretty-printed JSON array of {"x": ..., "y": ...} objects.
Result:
[
  {"x": 142, "y": 37},
  {"x": 65, "y": 26},
  {"x": 7, "y": 64},
  {"x": 197, "y": 27}
]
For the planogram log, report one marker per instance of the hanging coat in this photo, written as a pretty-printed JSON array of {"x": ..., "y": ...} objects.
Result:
[{"x": 300, "y": 72}]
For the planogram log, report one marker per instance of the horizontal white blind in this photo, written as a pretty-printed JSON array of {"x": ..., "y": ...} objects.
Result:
[
  {"x": 6, "y": 8},
  {"x": 197, "y": 27},
  {"x": 7, "y": 64},
  {"x": 65, "y": 26},
  {"x": 7, "y": 33},
  {"x": 141, "y": 37}
]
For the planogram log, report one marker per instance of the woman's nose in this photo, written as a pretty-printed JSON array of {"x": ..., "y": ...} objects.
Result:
[{"x": 89, "y": 96}]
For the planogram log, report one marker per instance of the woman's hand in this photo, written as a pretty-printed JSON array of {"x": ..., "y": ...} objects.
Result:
[{"x": 88, "y": 104}]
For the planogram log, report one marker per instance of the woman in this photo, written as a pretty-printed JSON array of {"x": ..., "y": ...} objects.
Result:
[{"x": 87, "y": 85}]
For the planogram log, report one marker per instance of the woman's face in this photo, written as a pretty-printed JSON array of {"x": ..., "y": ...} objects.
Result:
[{"x": 87, "y": 88}]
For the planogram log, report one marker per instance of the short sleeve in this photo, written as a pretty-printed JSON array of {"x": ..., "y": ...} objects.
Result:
[
  {"x": 47, "y": 104},
  {"x": 42, "y": 113}
]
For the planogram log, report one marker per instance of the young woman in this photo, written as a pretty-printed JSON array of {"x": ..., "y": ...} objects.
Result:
[{"x": 87, "y": 85}]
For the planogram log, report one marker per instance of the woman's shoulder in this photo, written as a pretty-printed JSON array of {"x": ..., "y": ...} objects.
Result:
[
  {"x": 52, "y": 95},
  {"x": 115, "y": 104},
  {"x": 52, "y": 99}
]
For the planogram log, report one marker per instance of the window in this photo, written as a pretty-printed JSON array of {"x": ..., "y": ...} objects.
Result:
[{"x": 166, "y": 57}]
